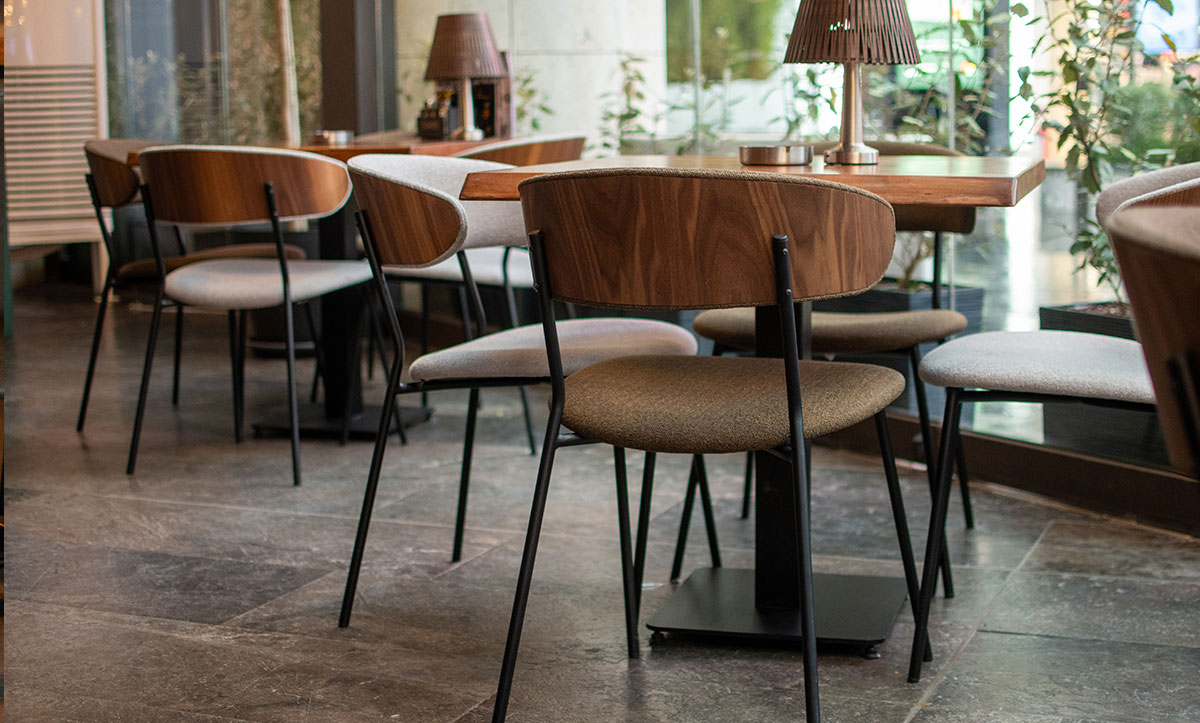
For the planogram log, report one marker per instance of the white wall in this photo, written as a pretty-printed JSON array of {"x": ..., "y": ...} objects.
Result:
[{"x": 573, "y": 49}]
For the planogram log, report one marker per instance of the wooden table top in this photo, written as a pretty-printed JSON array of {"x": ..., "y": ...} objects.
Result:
[{"x": 901, "y": 180}]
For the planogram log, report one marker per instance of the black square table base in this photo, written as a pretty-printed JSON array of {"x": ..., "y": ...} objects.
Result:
[{"x": 851, "y": 610}]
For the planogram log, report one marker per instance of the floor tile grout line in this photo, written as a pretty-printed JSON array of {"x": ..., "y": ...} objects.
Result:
[
  {"x": 472, "y": 709},
  {"x": 942, "y": 674}
]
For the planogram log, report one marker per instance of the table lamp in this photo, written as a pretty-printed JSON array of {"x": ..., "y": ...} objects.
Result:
[
  {"x": 852, "y": 32},
  {"x": 463, "y": 48}
]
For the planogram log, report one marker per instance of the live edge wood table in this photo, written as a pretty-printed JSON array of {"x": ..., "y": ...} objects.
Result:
[{"x": 851, "y": 610}]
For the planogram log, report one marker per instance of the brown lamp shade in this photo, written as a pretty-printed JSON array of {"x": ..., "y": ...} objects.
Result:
[
  {"x": 872, "y": 32},
  {"x": 463, "y": 47}
]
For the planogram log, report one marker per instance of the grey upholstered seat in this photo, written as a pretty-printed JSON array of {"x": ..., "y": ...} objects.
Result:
[
  {"x": 147, "y": 268},
  {"x": 641, "y": 402},
  {"x": 487, "y": 268},
  {"x": 1043, "y": 362},
  {"x": 257, "y": 283},
  {"x": 839, "y": 333},
  {"x": 521, "y": 352},
  {"x": 1142, "y": 187}
]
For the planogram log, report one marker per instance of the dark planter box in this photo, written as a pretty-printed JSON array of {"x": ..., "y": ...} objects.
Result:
[
  {"x": 886, "y": 297},
  {"x": 1116, "y": 434}
]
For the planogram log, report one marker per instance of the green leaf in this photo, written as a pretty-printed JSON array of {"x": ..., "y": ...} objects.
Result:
[
  {"x": 1019, "y": 10},
  {"x": 1170, "y": 43},
  {"x": 1165, "y": 5}
]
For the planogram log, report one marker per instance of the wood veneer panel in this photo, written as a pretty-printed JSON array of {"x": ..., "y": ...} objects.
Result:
[
  {"x": 696, "y": 239},
  {"x": 116, "y": 181},
  {"x": 408, "y": 227},
  {"x": 1158, "y": 249},
  {"x": 912, "y": 180},
  {"x": 532, "y": 153},
  {"x": 197, "y": 184}
]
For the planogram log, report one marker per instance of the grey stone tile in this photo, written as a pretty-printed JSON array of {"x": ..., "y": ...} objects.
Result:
[
  {"x": 1104, "y": 608},
  {"x": 214, "y": 671},
  {"x": 1019, "y": 675},
  {"x": 1117, "y": 549},
  {"x": 147, "y": 583},
  {"x": 35, "y": 706}
]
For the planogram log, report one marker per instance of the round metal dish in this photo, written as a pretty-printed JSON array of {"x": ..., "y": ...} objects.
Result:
[{"x": 775, "y": 155}]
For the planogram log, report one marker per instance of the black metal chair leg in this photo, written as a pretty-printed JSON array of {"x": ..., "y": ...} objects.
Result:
[
  {"x": 364, "y": 517},
  {"x": 293, "y": 404},
  {"x": 318, "y": 355},
  {"x": 525, "y": 576},
  {"x": 710, "y": 521},
  {"x": 898, "y": 514},
  {"x": 464, "y": 482},
  {"x": 627, "y": 572},
  {"x": 178, "y": 354},
  {"x": 91, "y": 368},
  {"x": 748, "y": 485},
  {"x": 234, "y": 371},
  {"x": 934, "y": 542},
  {"x": 243, "y": 332},
  {"x": 643, "y": 528},
  {"x": 510, "y": 301},
  {"x": 685, "y": 521},
  {"x": 964, "y": 485},
  {"x": 808, "y": 627},
  {"x": 155, "y": 319},
  {"x": 424, "y": 333},
  {"x": 930, "y": 457}
]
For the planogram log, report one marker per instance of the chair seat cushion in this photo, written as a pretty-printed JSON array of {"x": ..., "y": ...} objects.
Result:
[
  {"x": 1043, "y": 362},
  {"x": 521, "y": 352},
  {"x": 143, "y": 269},
  {"x": 257, "y": 283},
  {"x": 704, "y": 405},
  {"x": 486, "y": 268},
  {"x": 838, "y": 333}
]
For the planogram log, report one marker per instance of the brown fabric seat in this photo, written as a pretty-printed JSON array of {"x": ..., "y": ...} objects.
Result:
[
  {"x": 649, "y": 402},
  {"x": 839, "y": 333},
  {"x": 145, "y": 269}
]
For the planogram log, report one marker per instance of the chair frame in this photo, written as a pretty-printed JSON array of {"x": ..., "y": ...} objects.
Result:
[
  {"x": 395, "y": 388},
  {"x": 796, "y": 452}
]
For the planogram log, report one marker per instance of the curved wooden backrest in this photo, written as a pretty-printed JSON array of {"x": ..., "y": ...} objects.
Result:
[
  {"x": 691, "y": 239},
  {"x": 1128, "y": 189},
  {"x": 529, "y": 151},
  {"x": 411, "y": 225},
  {"x": 117, "y": 183},
  {"x": 224, "y": 184},
  {"x": 948, "y": 219},
  {"x": 1158, "y": 250}
]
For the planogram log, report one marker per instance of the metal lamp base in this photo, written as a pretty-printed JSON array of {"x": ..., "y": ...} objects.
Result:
[{"x": 855, "y": 155}]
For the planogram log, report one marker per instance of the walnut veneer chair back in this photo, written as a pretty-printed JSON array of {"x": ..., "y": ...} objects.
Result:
[
  {"x": 1145, "y": 188},
  {"x": 692, "y": 239},
  {"x": 116, "y": 183},
  {"x": 224, "y": 184},
  {"x": 1157, "y": 244},
  {"x": 529, "y": 151}
]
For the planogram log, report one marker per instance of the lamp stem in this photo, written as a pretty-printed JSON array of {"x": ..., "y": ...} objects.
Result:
[
  {"x": 466, "y": 108},
  {"x": 852, "y": 151}
]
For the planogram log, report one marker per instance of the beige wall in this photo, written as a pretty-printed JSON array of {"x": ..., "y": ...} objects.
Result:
[{"x": 572, "y": 48}]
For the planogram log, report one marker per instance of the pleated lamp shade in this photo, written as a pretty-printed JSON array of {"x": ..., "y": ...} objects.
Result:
[
  {"x": 463, "y": 47},
  {"x": 870, "y": 32}
]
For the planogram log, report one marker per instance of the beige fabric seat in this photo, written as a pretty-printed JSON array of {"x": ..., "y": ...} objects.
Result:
[
  {"x": 487, "y": 269},
  {"x": 635, "y": 402},
  {"x": 257, "y": 283},
  {"x": 147, "y": 269},
  {"x": 521, "y": 352},
  {"x": 839, "y": 333},
  {"x": 1043, "y": 362}
]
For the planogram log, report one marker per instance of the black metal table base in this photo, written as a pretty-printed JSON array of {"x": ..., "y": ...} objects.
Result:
[
  {"x": 851, "y": 610},
  {"x": 314, "y": 423}
]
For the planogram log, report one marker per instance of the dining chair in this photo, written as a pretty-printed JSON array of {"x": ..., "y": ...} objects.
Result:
[
  {"x": 1046, "y": 366},
  {"x": 113, "y": 183},
  {"x": 407, "y": 223},
  {"x": 1158, "y": 251},
  {"x": 236, "y": 185},
  {"x": 656, "y": 239}
]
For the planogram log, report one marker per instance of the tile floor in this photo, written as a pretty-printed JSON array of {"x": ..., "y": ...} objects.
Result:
[{"x": 205, "y": 587}]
